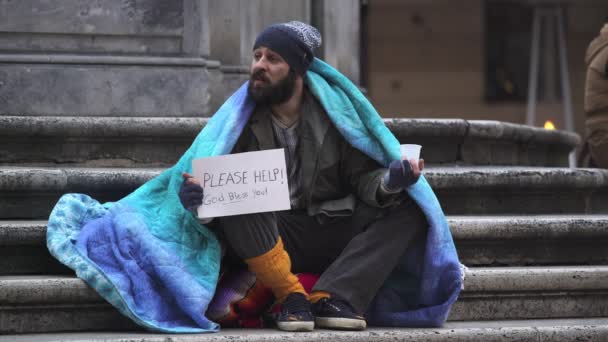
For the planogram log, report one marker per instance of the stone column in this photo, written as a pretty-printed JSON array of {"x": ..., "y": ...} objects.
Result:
[
  {"x": 234, "y": 25},
  {"x": 339, "y": 23}
]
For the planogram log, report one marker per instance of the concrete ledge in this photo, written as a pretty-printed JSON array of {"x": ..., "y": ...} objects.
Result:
[
  {"x": 556, "y": 330},
  {"x": 42, "y": 289},
  {"x": 480, "y": 240},
  {"x": 506, "y": 190},
  {"x": 480, "y": 129},
  {"x": 161, "y": 140},
  {"x": 531, "y": 240},
  {"x": 464, "y": 228},
  {"x": 529, "y": 227},
  {"x": 31, "y": 192},
  {"x": 541, "y": 279},
  {"x": 22, "y": 233},
  {"x": 490, "y": 294},
  {"x": 114, "y": 88},
  {"x": 477, "y": 142},
  {"x": 515, "y": 177},
  {"x": 100, "y": 127},
  {"x": 102, "y": 60},
  {"x": 120, "y": 141},
  {"x": 533, "y": 292}
]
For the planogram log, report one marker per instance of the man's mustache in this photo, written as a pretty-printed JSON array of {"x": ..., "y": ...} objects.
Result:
[{"x": 259, "y": 76}]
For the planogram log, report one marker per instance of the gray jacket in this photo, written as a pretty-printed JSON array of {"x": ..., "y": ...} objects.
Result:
[{"x": 334, "y": 174}]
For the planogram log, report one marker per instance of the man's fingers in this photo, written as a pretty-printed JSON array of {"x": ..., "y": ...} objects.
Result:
[
  {"x": 421, "y": 164},
  {"x": 190, "y": 178},
  {"x": 415, "y": 168},
  {"x": 193, "y": 198}
]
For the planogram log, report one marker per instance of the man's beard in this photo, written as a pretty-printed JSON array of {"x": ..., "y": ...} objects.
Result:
[{"x": 269, "y": 94}]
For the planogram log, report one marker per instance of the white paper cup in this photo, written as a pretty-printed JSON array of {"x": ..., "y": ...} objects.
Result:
[{"x": 410, "y": 151}]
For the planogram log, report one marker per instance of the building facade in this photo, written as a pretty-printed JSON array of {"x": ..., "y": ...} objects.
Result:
[{"x": 415, "y": 58}]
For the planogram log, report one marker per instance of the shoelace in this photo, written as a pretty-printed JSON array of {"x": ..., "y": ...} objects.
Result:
[
  {"x": 339, "y": 305},
  {"x": 294, "y": 304}
]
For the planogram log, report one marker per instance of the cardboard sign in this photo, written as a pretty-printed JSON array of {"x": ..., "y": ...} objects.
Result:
[{"x": 242, "y": 183}]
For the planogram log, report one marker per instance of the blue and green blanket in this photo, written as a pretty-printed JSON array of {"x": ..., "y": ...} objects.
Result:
[{"x": 153, "y": 261}]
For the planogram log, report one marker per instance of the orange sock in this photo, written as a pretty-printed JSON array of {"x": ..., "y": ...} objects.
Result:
[
  {"x": 273, "y": 269},
  {"x": 315, "y": 296}
]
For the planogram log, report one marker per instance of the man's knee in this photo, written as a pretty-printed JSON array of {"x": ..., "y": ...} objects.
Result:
[
  {"x": 406, "y": 220},
  {"x": 249, "y": 235}
]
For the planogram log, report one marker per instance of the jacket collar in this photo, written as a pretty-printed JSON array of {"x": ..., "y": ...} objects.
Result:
[
  {"x": 261, "y": 126},
  {"x": 314, "y": 122},
  {"x": 313, "y": 125},
  {"x": 312, "y": 131}
]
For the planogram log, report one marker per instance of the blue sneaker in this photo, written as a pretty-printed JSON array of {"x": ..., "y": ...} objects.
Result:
[
  {"x": 333, "y": 313},
  {"x": 295, "y": 314}
]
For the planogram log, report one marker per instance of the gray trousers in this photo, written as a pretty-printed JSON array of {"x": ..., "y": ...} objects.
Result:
[{"x": 354, "y": 255}]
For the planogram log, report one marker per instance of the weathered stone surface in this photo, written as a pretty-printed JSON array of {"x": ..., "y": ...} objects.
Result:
[
  {"x": 490, "y": 294},
  {"x": 101, "y": 89},
  {"x": 538, "y": 278},
  {"x": 22, "y": 233},
  {"x": 145, "y": 141},
  {"x": 105, "y": 26},
  {"x": 226, "y": 80},
  {"x": 554, "y": 330},
  {"x": 96, "y": 141},
  {"x": 28, "y": 259},
  {"x": 93, "y": 317},
  {"x": 23, "y": 249},
  {"x": 104, "y": 58},
  {"x": 534, "y": 292},
  {"x": 465, "y": 228},
  {"x": 524, "y": 190},
  {"x": 31, "y": 192},
  {"x": 29, "y": 290},
  {"x": 340, "y": 37},
  {"x": 531, "y": 240},
  {"x": 480, "y": 240},
  {"x": 480, "y": 142}
]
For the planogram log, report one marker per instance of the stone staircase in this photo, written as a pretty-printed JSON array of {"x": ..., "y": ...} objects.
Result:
[{"x": 531, "y": 231}]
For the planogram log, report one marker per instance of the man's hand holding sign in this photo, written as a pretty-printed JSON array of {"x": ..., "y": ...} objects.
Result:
[{"x": 235, "y": 184}]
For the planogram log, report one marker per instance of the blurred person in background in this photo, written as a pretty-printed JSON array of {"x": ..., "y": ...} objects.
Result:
[{"x": 595, "y": 151}]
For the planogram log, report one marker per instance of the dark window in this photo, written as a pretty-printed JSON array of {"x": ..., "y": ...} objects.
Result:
[{"x": 508, "y": 27}]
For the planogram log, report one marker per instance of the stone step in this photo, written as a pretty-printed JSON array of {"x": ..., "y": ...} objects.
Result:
[
  {"x": 149, "y": 141},
  {"x": 480, "y": 240},
  {"x": 31, "y": 192},
  {"x": 31, "y": 304},
  {"x": 546, "y": 330},
  {"x": 23, "y": 249},
  {"x": 531, "y": 240}
]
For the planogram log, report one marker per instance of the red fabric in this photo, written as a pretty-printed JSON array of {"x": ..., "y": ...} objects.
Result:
[{"x": 241, "y": 302}]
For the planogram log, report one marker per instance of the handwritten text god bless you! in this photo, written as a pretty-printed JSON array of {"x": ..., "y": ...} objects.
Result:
[{"x": 213, "y": 181}]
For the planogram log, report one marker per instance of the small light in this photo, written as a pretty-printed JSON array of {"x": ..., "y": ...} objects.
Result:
[{"x": 549, "y": 125}]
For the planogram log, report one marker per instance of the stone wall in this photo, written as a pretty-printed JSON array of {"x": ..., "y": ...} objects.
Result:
[
  {"x": 104, "y": 58},
  {"x": 139, "y": 57}
]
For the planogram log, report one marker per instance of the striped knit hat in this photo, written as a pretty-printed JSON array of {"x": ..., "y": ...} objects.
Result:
[{"x": 295, "y": 41}]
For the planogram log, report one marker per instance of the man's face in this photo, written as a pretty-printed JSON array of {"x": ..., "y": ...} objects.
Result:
[{"x": 271, "y": 80}]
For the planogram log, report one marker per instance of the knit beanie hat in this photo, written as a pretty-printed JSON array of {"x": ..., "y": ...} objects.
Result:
[{"x": 295, "y": 41}]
